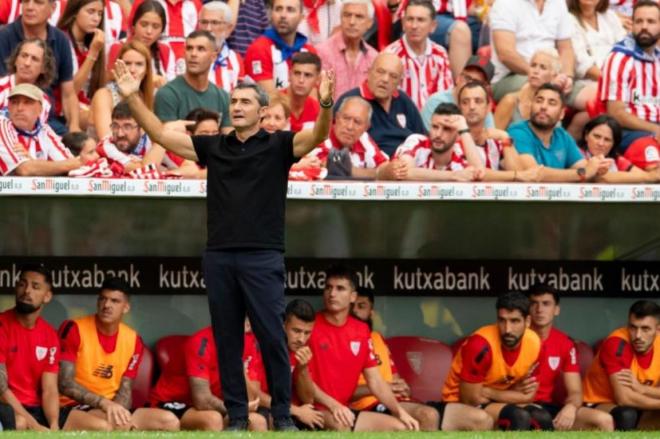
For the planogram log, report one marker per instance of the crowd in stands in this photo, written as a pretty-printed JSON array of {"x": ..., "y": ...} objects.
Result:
[
  {"x": 430, "y": 90},
  {"x": 519, "y": 373}
]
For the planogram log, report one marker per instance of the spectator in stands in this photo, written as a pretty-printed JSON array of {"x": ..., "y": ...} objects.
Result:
[
  {"x": 304, "y": 78},
  {"x": 449, "y": 154},
  {"x": 559, "y": 364},
  {"x": 82, "y": 146},
  {"x": 321, "y": 19},
  {"x": 180, "y": 23},
  {"x": 207, "y": 122},
  {"x": 29, "y": 358},
  {"x": 624, "y": 11},
  {"x": 82, "y": 22},
  {"x": 147, "y": 26},
  {"x": 11, "y": 10},
  {"x": 341, "y": 351},
  {"x": 645, "y": 154},
  {"x": 601, "y": 135},
  {"x": 349, "y": 133},
  {"x": 363, "y": 400},
  {"x": 345, "y": 51},
  {"x": 137, "y": 59},
  {"x": 540, "y": 141},
  {"x": 193, "y": 89},
  {"x": 395, "y": 116},
  {"x": 27, "y": 146},
  {"x": 249, "y": 20},
  {"x": 268, "y": 59},
  {"x": 228, "y": 69},
  {"x": 477, "y": 69},
  {"x": 425, "y": 63},
  {"x": 457, "y": 30},
  {"x": 623, "y": 378},
  {"x": 597, "y": 29},
  {"x": 34, "y": 24},
  {"x": 299, "y": 319},
  {"x": 495, "y": 368},
  {"x": 32, "y": 62},
  {"x": 100, "y": 359},
  {"x": 630, "y": 84},
  {"x": 544, "y": 66},
  {"x": 521, "y": 28},
  {"x": 276, "y": 115}
]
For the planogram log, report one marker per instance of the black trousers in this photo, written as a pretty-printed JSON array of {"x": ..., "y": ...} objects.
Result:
[{"x": 249, "y": 282}]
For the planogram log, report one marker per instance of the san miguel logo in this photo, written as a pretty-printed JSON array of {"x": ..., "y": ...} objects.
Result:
[
  {"x": 52, "y": 185},
  {"x": 108, "y": 186},
  {"x": 645, "y": 193}
]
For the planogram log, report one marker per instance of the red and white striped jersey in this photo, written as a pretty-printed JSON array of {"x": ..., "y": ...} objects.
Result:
[
  {"x": 632, "y": 76},
  {"x": 425, "y": 75},
  {"x": 418, "y": 147},
  {"x": 107, "y": 148},
  {"x": 457, "y": 8},
  {"x": 40, "y": 144},
  {"x": 181, "y": 21},
  {"x": 227, "y": 70},
  {"x": 6, "y": 84},
  {"x": 491, "y": 153},
  {"x": 365, "y": 153}
]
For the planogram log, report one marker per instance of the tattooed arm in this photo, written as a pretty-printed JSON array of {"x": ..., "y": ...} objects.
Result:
[
  {"x": 116, "y": 414},
  {"x": 10, "y": 399},
  {"x": 124, "y": 395},
  {"x": 202, "y": 397}
]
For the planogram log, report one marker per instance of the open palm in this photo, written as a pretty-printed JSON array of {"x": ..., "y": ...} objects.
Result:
[{"x": 126, "y": 83}]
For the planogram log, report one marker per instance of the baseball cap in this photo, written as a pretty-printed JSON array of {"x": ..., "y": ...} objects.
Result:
[
  {"x": 482, "y": 63},
  {"x": 644, "y": 153},
  {"x": 29, "y": 91}
]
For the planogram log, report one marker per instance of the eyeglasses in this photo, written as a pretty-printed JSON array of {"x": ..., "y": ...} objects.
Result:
[
  {"x": 214, "y": 23},
  {"x": 126, "y": 127}
]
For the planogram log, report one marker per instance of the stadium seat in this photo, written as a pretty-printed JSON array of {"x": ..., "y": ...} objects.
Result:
[
  {"x": 457, "y": 345},
  {"x": 143, "y": 380},
  {"x": 169, "y": 349},
  {"x": 596, "y": 345},
  {"x": 423, "y": 363}
]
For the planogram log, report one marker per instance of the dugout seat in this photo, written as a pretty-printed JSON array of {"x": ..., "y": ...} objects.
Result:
[
  {"x": 455, "y": 346},
  {"x": 423, "y": 363},
  {"x": 143, "y": 380},
  {"x": 169, "y": 349}
]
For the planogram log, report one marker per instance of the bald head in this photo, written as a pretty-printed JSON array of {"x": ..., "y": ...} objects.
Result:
[{"x": 385, "y": 75}]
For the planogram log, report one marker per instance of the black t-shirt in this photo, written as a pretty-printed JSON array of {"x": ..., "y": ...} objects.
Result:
[{"x": 247, "y": 186}]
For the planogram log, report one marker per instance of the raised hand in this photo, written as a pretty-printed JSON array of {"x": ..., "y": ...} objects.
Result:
[
  {"x": 327, "y": 87},
  {"x": 126, "y": 83}
]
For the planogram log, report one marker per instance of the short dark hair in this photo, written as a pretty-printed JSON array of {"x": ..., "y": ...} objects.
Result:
[
  {"x": 512, "y": 301},
  {"x": 603, "y": 119},
  {"x": 306, "y": 58},
  {"x": 645, "y": 308},
  {"x": 447, "y": 109},
  {"x": 75, "y": 141},
  {"x": 199, "y": 115},
  {"x": 40, "y": 268},
  {"x": 116, "y": 284},
  {"x": 552, "y": 87},
  {"x": 122, "y": 111},
  {"x": 262, "y": 96},
  {"x": 474, "y": 84},
  {"x": 425, "y": 3},
  {"x": 645, "y": 4},
  {"x": 539, "y": 289},
  {"x": 339, "y": 271},
  {"x": 203, "y": 33},
  {"x": 300, "y": 309},
  {"x": 368, "y": 293}
]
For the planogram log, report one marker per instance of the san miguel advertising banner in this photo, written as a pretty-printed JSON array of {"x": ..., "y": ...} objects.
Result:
[{"x": 388, "y": 277}]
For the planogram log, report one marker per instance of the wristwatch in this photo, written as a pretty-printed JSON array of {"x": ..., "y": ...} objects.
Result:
[
  {"x": 463, "y": 131},
  {"x": 582, "y": 174}
]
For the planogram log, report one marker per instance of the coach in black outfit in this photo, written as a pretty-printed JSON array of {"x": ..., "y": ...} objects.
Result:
[{"x": 244, "y": 261}]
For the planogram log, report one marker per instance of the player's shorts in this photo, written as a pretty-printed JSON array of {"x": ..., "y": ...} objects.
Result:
[
  {"x": 175, "y": 407},
  {"x": 440, "y": 407},
  {"x": 8, "y": 417}
]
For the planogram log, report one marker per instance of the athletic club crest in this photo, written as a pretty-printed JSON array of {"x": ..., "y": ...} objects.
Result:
[
  {"x": 41, "y": 352},
  {"x": 355, "y": 347},
  {"x": 415, "y": 361},
  {"x": 401, "y": 118},
  {"x": 553, "y": 362}
]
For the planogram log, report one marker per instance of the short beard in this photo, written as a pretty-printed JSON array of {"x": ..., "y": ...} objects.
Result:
[
  {"x": 513, "y": 345},
  {"x": 646, "y": 42},
  {"x": 541, "y": 126},
  {"x": 441, "y": 150},
  {"x": 26, "y": 308}
]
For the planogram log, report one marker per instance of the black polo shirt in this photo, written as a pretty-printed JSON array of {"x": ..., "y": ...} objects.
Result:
[
  {"x": 389, "y": 129},
  {"x": 247, "y": 186}
]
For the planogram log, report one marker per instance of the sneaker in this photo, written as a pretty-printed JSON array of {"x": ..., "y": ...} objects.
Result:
[
  {"x": 284, "y": 424},
  {"x": 237, "y": 424}
]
